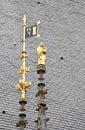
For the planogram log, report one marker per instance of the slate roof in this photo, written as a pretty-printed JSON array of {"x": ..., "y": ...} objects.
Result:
[{"x": 62, "y": 29}]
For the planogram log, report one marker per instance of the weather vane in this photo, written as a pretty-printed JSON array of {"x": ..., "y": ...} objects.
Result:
[{"x": 23, "y": 85}]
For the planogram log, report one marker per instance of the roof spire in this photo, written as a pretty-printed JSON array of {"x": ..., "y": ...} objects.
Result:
[
  {"x": 23, "y": 84},
  {"x": 41, "y": 69}
]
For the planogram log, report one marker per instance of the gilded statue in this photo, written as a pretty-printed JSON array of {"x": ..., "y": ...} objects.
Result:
[{"x": 41, "y": 52}]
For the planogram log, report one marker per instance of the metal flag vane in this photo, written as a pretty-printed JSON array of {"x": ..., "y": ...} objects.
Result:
[
  {"x": 23, "y": 85},
  {"x": 32, "y": 30}
]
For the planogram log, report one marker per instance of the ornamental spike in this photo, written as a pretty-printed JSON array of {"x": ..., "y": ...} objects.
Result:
[{"x": 23, "y": 85}]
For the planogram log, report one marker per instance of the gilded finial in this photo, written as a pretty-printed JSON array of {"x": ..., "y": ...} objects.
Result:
[
  {"x": 24, "y": 20},
  {"x": 41, "y": 104},
  {"x": 23, "y": 85},
  {"x": 41, "y": 52}
]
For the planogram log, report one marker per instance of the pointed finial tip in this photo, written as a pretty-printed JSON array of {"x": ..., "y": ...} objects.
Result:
[
  {"x": 38, "y": 22},
  {"x": 24, "y": 16},
  {"x": 24, "y": 19}
]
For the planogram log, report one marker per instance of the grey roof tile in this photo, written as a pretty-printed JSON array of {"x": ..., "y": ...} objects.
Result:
[{"x": 63, "y": 31}]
